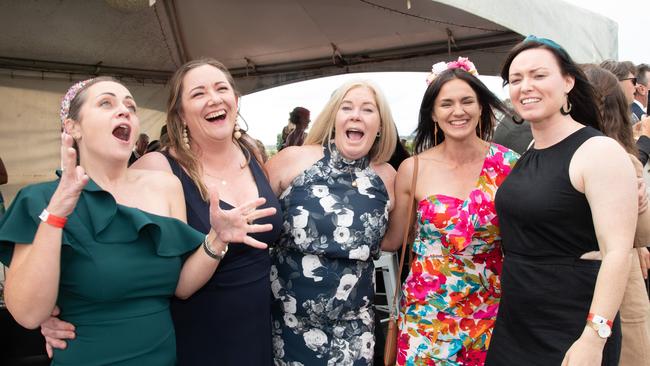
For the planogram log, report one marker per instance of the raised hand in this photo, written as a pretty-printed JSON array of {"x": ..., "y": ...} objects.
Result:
[
  {"x": 233, "y": 226},
  {"x": 73, "y": 180}
]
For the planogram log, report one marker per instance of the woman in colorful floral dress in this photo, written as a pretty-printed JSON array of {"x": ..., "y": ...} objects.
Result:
[
  {"x": 451, "y": 296},
  {"x": 335, "y": 192}
]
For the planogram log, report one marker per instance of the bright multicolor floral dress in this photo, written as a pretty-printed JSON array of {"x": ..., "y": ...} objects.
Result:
[{"x": 451, "y": 296}]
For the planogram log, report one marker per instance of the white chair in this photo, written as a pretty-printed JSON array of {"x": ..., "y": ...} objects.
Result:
[{"x": 388, "y": 265}]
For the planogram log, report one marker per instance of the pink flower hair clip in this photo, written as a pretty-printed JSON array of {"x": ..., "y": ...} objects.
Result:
[{"x": 462, "y": 63}]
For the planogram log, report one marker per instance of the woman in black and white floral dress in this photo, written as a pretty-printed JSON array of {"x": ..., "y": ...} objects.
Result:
[{"x": 335, "y": 192}]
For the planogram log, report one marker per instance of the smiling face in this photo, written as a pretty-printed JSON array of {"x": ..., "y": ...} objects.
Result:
[
  {"x": 107, "y": 123},
  {"x": 209, "y": 105},
  {"x": 356, "y": 123},
  {"x": 537, "y": 87},
  {"x": 456, "y": 109}
]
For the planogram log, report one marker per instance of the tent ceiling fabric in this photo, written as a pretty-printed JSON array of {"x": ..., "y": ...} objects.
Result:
[
  {"x": 267, "y": 43},
  {"x": 589, "y": 37}
]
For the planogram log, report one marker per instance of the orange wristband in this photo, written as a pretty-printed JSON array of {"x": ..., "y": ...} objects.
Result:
[
  {"x": 53, "y": 220},
  {"x": 599, "y": 319}
]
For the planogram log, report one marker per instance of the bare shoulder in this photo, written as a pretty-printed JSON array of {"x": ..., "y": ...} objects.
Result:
[
  {"x": 294, "y": 159},
  {"x": 407, "y": 166},
  {"x": 160, "y": 181},
  {"x": 598, "y": 149},
  {"x": 287, "y": 164},
  {"x": 597, "y": 155},
  {"x": 297, "y": 154},
  {"x": 385, "y": 171},
  {"x": 152, "y": 161}
]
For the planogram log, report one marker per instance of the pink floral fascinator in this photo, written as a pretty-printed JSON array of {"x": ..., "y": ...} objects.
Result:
[{"x": 462, "y": 63}]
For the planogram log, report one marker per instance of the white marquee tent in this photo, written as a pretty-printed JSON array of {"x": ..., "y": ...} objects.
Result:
[{"x": 45, "y": 45}]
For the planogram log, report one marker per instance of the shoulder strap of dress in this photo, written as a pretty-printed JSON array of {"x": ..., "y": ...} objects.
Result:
[{"x": 174, "y": 165}]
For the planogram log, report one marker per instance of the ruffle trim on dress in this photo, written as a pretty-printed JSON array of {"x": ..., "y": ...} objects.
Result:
[{"x": 98, "y": 218}]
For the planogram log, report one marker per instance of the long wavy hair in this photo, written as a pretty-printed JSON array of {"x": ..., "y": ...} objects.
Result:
[
  {"x": 581, "y": 96},
  {"x": 187, "y": 158},
  {"x": 425, "y": 136},
  {"x": 612, "y": 106}
]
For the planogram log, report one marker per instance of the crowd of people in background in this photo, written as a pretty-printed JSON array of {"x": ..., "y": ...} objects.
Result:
[{"x": 529, "y": 242}]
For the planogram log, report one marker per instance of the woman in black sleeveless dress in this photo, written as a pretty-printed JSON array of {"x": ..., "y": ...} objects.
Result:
[{"x": 573, "y": 192}]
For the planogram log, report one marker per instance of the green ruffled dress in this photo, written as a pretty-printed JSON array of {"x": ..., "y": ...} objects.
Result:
[{"x": 119, "y": 269}]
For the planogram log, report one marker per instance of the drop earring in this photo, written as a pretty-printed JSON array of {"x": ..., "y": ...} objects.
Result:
[
  {"x": 237, "y": 133},
  {"x": 435, "y": 133},
  {"x": 186, "y": 139}
]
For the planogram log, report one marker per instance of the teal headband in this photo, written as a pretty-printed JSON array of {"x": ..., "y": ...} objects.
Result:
[{"x": 545, "y": 41}]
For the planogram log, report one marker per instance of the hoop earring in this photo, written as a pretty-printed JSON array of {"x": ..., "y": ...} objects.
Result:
[
  {"x": 243, "y": 120},
  {"x": 516, "y": 119},
  {"x": 186, "y": 139},
  {"x": 568, "y": 110}
]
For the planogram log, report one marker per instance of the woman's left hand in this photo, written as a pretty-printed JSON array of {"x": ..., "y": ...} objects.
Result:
[
  {"x": 233, "y": 226},
  {"x": 586, "y": 350}
]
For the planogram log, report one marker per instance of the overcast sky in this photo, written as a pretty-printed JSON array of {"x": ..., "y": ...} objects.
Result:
[{"x": 267, "y": 111}]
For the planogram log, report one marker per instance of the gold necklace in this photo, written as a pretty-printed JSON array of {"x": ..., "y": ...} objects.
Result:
[
  {"x": 222, "y": 180},
  {"x": 352, "y": 178}
]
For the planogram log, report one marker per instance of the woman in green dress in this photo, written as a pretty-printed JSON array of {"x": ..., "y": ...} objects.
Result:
[{"x": 108, "y": 245}]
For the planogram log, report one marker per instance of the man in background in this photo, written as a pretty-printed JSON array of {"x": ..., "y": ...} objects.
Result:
[{"x": 640, "y": 104}]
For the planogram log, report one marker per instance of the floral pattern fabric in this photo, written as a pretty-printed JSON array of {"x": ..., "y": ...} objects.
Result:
[
  {"x": 322, "y": 273},
  {"x": 451, "y": 295}
]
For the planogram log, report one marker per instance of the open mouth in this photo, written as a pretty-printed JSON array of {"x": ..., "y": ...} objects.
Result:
[
  {"x": 216, "y": 116},
  {"x": 122, "y": 132},
  {"x": 354, "y": 135}
]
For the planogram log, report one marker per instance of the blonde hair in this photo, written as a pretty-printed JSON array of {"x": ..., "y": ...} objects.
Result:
[
  {"x": 175, "y": 126},
  {"x": 322, "y": 129}
]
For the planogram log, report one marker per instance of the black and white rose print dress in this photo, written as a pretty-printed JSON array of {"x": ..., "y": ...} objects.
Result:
[{"x": 322, "y": 273}]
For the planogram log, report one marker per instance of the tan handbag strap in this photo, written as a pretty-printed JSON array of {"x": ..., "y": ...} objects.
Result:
[{"x": 406, "y": 232}]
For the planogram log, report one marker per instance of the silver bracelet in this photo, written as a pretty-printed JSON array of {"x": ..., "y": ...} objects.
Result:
[{"x": 211, "y": 253}]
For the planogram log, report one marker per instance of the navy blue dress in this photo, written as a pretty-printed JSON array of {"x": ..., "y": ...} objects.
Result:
[{"x": 228, "y": 321}]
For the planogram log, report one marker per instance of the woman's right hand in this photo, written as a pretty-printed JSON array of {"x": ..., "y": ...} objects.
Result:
[
  {"x": 55, "y": 331},
  {"x": 236, "y": 224},
  {"x": 73, "y": 180}
]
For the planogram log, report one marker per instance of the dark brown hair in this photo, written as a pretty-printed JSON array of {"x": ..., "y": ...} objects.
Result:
[
  {"x": 612, "y": 105},
  {"x": 425, "y": 136},
  {"x": 581, "y": 96}
]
